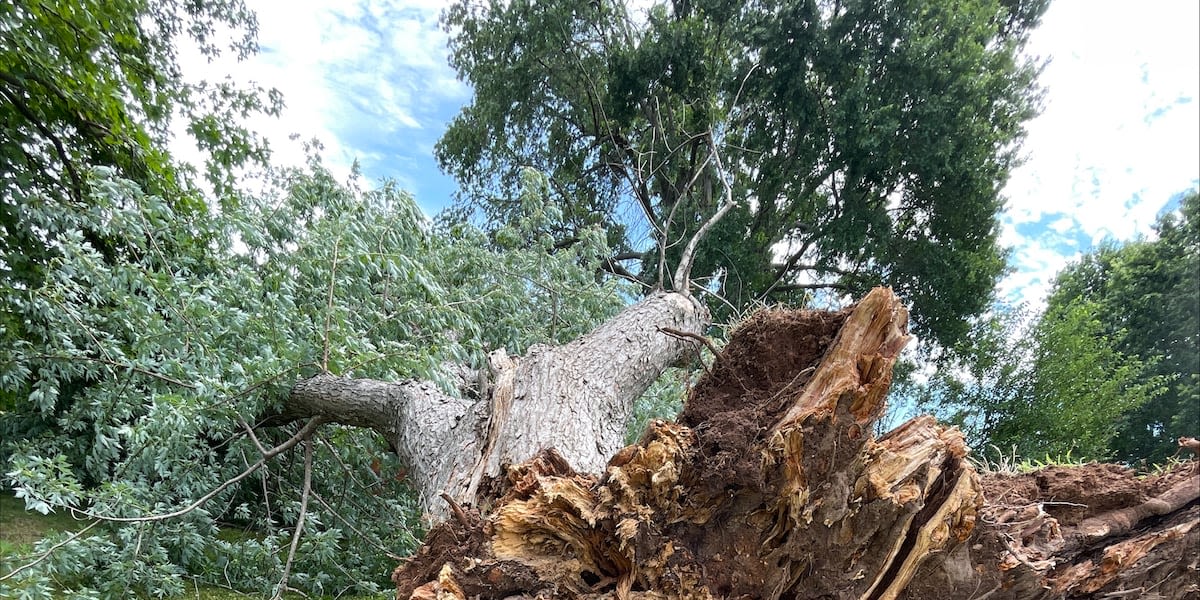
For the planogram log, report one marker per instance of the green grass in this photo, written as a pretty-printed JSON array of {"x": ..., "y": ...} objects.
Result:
[
  {"x": 19, "y": 529},
  {"x": 1013, "y": 464}
]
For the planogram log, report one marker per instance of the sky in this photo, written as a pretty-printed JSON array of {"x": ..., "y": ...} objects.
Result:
[{"x": 1118, "y": 138}]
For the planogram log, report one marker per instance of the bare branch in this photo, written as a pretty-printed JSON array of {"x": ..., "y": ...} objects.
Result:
[
  {"x": 791, "y": 287},
  {"x": 684, "y": 270},
  {"x": 687, "y": 335},
  {"x": 612, "y": 266},
  {"x": 287, "y": 566}
]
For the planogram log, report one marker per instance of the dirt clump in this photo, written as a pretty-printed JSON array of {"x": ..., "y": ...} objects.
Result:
[{"x": 769, "y": 358}]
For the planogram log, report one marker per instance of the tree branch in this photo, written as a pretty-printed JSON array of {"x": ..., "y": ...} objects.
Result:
[
  {"x": 304, "y": 493},
  {"x": 68, "y": 164},
  {"x": 303, "y": 434},
  {"x": 49, "y": 551},
  {"x": 684, "y": 270}
]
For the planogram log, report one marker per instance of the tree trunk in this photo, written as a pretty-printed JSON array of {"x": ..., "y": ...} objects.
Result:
[
  {"x": 770, "y": 485},
  {"x": 575, "y": 398}
]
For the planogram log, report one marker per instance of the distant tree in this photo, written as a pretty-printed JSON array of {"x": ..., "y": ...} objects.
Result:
[
  {"x": 825, "y": 146},
  {"x": 1053, "y": 385},
  {"x": 978, "y": 383},
  {"x": 1078, "y": 390},
  {"x": 1110, "y": 369},
  {"x": 1147, "y": 298}
]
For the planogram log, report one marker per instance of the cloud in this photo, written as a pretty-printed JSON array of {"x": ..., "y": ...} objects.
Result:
[
  {"x": 1120, "y": 133},
  {"x": 368, "y": 78}
]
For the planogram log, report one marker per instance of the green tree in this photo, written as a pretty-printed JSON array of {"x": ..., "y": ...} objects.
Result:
[
  {"x": 94, "y": 83},
  {"x": 1111, "y": 369},
  {"x": 977, "y": 384},
  {"x": 820, "y": 146},
  {"x": 1054, "y": 385},
  {"x": 1147, "y": 294},
  {"x": 1079, "y": 389}
]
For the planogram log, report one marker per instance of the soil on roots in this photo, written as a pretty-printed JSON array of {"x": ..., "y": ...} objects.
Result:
[{"x": 768, "y": 360}]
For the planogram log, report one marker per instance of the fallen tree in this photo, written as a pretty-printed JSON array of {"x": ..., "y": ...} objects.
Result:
[
  {"x": 575, "y": 397},
  {"x": 771, "y": 485}
]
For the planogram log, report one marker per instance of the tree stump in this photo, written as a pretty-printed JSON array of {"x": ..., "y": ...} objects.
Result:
[{"x": 771, "y": 485}]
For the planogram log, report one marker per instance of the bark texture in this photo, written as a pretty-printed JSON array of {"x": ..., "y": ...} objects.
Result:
[
  {"x": 770, "y": 485},
  {"x": 575, "y": 398}
]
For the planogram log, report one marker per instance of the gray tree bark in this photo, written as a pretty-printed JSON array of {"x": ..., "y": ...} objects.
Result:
[{"x": 575, "y": 398}]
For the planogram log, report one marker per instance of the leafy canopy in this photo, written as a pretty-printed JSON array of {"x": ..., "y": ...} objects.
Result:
[
  {"x": 860, "y": 142},
  {"x": 146, "y": 319},
  {"x": 95, "y": 83},
  {"x": 1147, "y": 294},
  {"x": 126, "y": 386}
]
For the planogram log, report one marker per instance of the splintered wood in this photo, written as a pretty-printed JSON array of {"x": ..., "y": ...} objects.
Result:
[{"x": 770, "y": 485}]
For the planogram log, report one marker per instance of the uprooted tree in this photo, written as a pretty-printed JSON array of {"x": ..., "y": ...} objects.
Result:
[
  {"x": 770, "y": 484},
  {"x": 169, "y": 365},
  {"x": 153, "y": 390}
]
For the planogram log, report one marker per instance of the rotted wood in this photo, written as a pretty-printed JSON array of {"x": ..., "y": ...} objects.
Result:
[{"x": 771, "y": 485}]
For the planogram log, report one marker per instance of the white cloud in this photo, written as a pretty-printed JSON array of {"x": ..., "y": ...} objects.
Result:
[
  {"x": 1064, "y": 224},
  {"x": 353, "y": 74},
  {"x": 1120, "y": 133}
]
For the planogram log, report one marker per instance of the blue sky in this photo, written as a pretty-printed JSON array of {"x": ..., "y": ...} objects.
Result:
[{"x": 1119, "y": 136}]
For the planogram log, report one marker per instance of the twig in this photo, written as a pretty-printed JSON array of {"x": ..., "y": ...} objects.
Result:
[
  {"x": 684, "y": 270},
  {"x": 987, "y": 594},
  {"x": 287, "y": 566},
  {"x": 687, "y": 335},
  {"x": 48, "y": 552},
  {"x": 1007, "y": 546},
  {"x": 459, "y": 515},
  {"x": 303, "y": 434},
  {"x": 119, "y": 365},
  {"x": 253, "y": 437},
  {"x": 361, "y": 535}
]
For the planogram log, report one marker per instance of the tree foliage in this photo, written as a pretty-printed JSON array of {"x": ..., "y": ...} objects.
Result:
[
  {"x": 859, "y": 142},
  {"x": 1147, "y": 294},
  {"x": 127, "y": 387},
  {"x": 149, "y": 324},
  {"x": 94, "y": 83},
  {"x": 1108, "y": 371},
  {"x": 1054, "y": 386}
]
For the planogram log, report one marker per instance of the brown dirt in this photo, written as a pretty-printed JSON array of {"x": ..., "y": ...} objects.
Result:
[
  {"x": 1069, "y": 494},
  {"x": 768, "y": 360},
  {"x": 446, "y": 542}
]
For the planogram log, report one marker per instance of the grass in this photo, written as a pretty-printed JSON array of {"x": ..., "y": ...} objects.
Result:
[
  {"x": 1012, "y": 464},
  {"x": 20, "y": 528}
]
